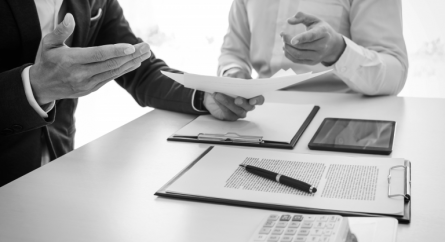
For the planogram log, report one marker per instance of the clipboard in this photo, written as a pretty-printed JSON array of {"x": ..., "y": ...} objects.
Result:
[
  {"x": 240, "y": 139},
  {"x": 406, "y": 218}
]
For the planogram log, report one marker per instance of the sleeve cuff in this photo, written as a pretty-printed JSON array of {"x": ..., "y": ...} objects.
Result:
[
  {"x": 227, "y": 67},
  {"x": 30, "y": 96},
  {"x": 351, "y": 59},
  {"x": 197, "y": 109},
  {"x": 48, "y": 107}
]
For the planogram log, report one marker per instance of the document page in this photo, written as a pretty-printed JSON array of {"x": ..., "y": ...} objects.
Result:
[
  {"x": 274, "y": 122},
  {"x": 309, "y": 172},
  {"x": 241, "y": 87},
  {"x": 355, "y": 184}
]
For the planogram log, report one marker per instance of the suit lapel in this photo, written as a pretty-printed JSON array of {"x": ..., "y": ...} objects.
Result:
[
  {"x": 25, "y": 14},
  {"x": 80, "y": 9}
]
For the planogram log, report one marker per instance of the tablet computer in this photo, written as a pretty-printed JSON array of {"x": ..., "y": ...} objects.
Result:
[{"x": 354, "y": 135}]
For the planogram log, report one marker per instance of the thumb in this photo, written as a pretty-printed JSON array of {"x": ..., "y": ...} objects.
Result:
[
  {"x": 61, "y": 33},
  {"x": 303, "y": 18}
]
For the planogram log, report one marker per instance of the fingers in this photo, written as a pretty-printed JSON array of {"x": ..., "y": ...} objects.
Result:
[
  {"x": 258, "y": 100},
  {"x": 227, "y": 114},
  {"x": 303, "y": 18},
  {"x": 310, "y": 36},
  {"x": 237, "y": 72},
  {"x": 60, "y": 34},
  {"x": 300, "y": 60},
  {"x": 308, "y": 48},
  {"x": 130, "y": 70},
  {"x": 302, "y": 54},
  {"x": 293, "y": 53},
  {"x": 243, "y": 103},
  {"x": 229, "y": 103},
  {"x": 286, "y": 38},
  {"x": 249, "y": 105},
  {"x": 227, "y": 108},
  {"x": 101, "y": 84},
  {"x": 115, "y": 63},
  {"x": 115, "y": 73},
  {"x": 103, "y": 53},
  {"x": 317, "y": 45}
]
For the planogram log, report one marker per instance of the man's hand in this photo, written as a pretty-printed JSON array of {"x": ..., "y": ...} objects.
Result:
[
  {"x": 64, "y": 72},
  {"x": 228, "y": 108},
  {"x": 320, "y": 43},
  {"x": 237, "y": 72}
]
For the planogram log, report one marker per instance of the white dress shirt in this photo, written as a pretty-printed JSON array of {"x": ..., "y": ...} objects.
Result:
[
  {"x": 48, "y": 12},
  {"x": 375, "y": 59}
]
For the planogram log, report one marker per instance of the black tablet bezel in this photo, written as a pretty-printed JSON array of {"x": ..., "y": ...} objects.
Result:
[{"x": 351, "y": 148}]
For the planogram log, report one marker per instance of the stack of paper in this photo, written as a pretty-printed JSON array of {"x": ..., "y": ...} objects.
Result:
[{"x": 241, "y": 87}]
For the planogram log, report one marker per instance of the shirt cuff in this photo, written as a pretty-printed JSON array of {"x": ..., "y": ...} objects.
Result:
[
  {"x": 230, "y": 66},
  {"x": 351, "y": 59},
  {"x": 30, "y": 96},
  {"x": 193, "y": 103}
]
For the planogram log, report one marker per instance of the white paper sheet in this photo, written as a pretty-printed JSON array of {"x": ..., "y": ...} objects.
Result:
[
  {"x": 210, "y": 175},
  {"x": 241, "y": 87},
  {"x": 274, "y": 122}
]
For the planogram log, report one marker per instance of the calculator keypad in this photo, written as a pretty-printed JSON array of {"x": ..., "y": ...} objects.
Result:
[{"x": 298, "y": 228}]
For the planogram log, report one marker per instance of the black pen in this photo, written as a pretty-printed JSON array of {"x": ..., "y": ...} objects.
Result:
[{"x": 302, "y": 186}]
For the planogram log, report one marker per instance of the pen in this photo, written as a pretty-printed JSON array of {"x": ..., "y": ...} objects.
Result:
[{"x": 302, "y": 186}]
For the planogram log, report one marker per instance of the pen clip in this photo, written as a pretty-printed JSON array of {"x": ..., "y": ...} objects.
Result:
[{"x": 231, "y": 137}]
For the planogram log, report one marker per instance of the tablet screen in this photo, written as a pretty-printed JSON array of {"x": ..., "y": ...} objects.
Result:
[{"x": 355, "y": 134}]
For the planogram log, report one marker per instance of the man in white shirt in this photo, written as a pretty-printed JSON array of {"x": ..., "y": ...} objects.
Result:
[{"x": 361, "y": 40}]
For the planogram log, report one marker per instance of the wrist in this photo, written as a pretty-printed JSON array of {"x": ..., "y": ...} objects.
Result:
[
  {"x": 237, "y": 72},
  {"x": 198, "y": 101},
  {"x": 36, "y": 88},
  {"x": 337, "y": 51}
]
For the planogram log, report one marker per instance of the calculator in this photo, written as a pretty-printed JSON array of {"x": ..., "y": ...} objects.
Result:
[{"x": 303, "y": 228}]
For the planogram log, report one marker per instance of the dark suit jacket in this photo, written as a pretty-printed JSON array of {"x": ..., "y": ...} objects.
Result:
[{"x": 21, "y": 128}]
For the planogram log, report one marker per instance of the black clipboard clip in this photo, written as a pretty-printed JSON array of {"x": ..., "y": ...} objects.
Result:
[
  {"x": 407, "y": 195},
  {"x": 231, "y": 137}
]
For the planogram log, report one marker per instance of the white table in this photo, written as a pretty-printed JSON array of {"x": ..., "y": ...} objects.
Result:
[{"x": 104, "y": 190}]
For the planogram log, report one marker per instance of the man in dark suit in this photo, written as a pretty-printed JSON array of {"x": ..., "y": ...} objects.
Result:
[{"x": 38, "y": 92}]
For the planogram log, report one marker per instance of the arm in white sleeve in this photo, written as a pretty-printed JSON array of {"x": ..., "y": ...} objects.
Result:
[
  {"x": 375, "y": 61},
  {"x": 235, "y": 50},
  {"x": 30, "y": 96}
]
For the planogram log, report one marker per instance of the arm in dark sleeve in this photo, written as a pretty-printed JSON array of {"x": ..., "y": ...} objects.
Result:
[
  {"x": 16, "y": 114},
  {"x": 147, "y": 85}
]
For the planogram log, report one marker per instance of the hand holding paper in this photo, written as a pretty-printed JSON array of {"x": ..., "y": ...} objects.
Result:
[
  {"x": 245, "y": 93},
  {"x": 227, "y": 108}
]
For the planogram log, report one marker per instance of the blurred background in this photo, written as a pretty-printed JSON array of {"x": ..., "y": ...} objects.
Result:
[{"x": 188, "y": 34}]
